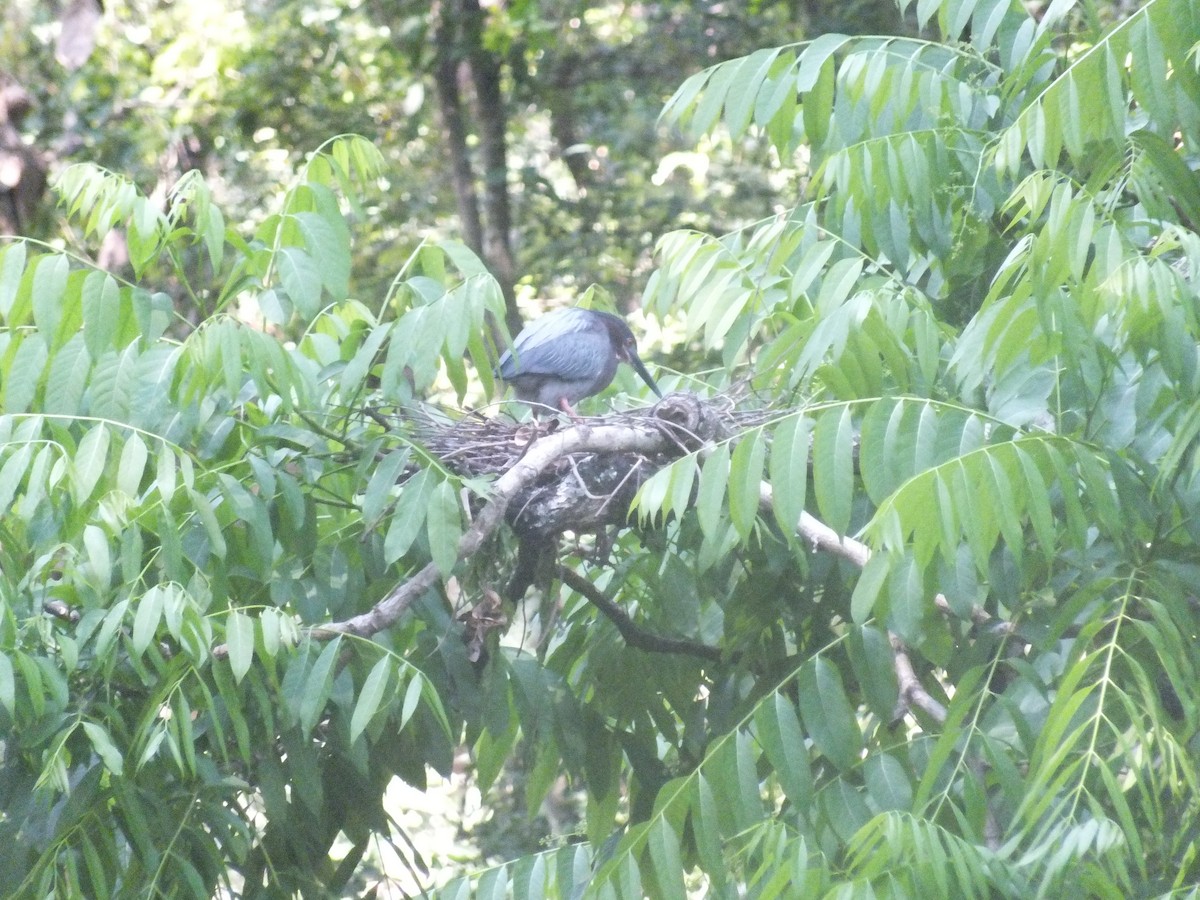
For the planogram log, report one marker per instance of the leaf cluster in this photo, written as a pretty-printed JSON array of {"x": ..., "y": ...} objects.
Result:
[{"x": 949, "y": 570}]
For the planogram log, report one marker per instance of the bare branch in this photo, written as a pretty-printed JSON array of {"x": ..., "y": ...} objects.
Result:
[
  {"x": 822, "y": 537},
  {"x": 912, "y": 692},
  {"x": 818, "y": 534},
  {"x": 634, "y": 635}
]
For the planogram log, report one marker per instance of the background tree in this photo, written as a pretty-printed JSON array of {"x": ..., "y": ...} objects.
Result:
[
  {"x": 916, "y": 614},
  {"x": 575, "y": 91}
]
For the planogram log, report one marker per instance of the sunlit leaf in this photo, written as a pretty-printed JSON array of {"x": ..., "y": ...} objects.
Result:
[
  {"x": 104, "y": 747},
  {"x": 317, "y": 686},
  {"x": 370, "y": 696},
  {"x": 833, "y": 467},
  {"x": 89, "y": 461},
  {"x": 745, "y": 479},
  {"x": 239, "y": 640}
]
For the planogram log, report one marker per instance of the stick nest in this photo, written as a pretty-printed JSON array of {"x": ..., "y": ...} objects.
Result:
[
  {"x": 583, "y": 491},
  {"x": 475, "y": 445}
]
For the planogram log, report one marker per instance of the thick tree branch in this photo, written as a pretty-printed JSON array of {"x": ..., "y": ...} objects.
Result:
[
  {"x": 628, "y": 439},
  {"x": 644, "y": 436},
  {"x": 634, "y": 636}
]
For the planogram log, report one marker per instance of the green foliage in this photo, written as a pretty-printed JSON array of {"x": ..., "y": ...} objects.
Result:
[
  {"x": 986, "y": 302},
  {"x": 976, "y": 337},
  {"x": 185, "y": 500}
]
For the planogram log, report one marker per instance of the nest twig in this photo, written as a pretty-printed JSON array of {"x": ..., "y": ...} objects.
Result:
[{"x": 476, "y": 445}]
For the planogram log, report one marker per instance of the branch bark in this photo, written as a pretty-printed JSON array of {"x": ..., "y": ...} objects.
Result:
[{"x": 819, "y": 535}]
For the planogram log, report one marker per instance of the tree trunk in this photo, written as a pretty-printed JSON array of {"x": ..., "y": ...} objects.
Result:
[
  {"x": 22, "y": 170},
  {"x": 458, "y": 37},
  {"x": 450, "y": 114},
  {"x": 493, "y": 127}
]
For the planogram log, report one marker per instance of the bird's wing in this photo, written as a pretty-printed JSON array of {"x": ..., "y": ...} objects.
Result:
[{"x": 565, "y": 343}]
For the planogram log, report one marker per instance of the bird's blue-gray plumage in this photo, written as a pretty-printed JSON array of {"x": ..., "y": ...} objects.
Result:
[{"x": 569, "y": 354}]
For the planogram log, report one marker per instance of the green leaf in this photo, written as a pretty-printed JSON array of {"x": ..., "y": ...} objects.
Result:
[
  {"x": 778, "y": 729},
  {"x": 12, "y": 473},
  {"x": 49, "y": 292},
  {"x": 371, "y": 695},
  {"x": 705, "y": 820},
  {"x": 443, "y": 523},
  {"x": 12, "y": 268},
  {"x": 101, "y": 299},
  {"x": 828, "y": 717},
  {"x": 708, "y": 110},
  {"x": 328, "y": 240},
  {"x": 364, "y": 358},
  {"x": 301, "y": 279},
  {"x": 88, "y": 462},
  {"x": 907, "y": 600},
  {"x": 710, "y": 499},
  {"x": 104, "y": 747},
  {"x": 887, "y": 782},
  {"x": 20, "y": 382},
  {"x": 239, "y": 640},
  {"x": 146, "y": 616},
  {"x": 412, "y": 696},
  {"x": 873, "y": 661},
  {"x": 747, "y": 82},
  {"x": 815, "y": 57},
  {"x": 408, "y": 516},
  {"x": 8, "y": 685},
  {"x": 833, "y": 467},
  {"x": 383, "y": 479},
  {"x": 317, "y": 687},
  {"x": 113, "y": 621},
  {"x": 132, "y": 465},
  {"x": 866, "y": 590},
  {"x": 493, "y": 884},
  {"x": 67, "y": 379},
  {"x": 668, "y": 865},
  {"x": 164, "y": 473},
  {"x": 208, "y": 519},
  {"x": 270, "y": 627},
  {"x": 745, "y": 481},
  {"x": 789, "y": 470},
  {"x": 682, "y": 484},
  {"x": 844, "y": 808}
]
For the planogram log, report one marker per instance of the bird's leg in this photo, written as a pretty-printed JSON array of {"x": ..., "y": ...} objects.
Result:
[{"x": 566, "y": 407}]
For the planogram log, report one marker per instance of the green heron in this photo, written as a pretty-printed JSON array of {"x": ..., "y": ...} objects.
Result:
[{"x": 567, "y": 355}]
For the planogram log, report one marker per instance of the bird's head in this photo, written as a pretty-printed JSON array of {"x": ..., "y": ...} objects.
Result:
[{"x": 625, "y": 348}]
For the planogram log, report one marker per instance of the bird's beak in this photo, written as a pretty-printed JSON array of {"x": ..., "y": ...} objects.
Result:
[{"x": 640, "y": 368}]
